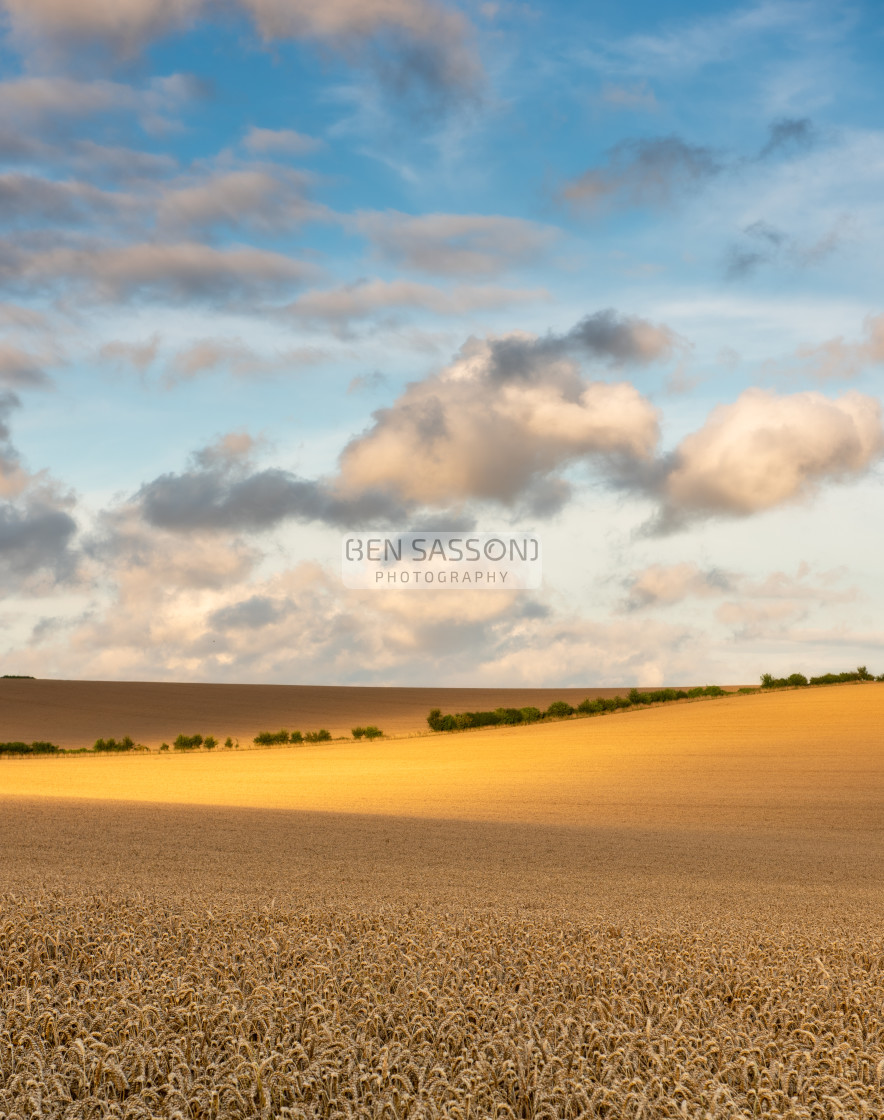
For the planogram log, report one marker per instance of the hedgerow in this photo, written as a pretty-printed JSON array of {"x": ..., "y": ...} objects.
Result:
[
  {"x": 561, "y": 709},
  {"x": 799, "y": 680},
  {"x": 16, "y": 748}
]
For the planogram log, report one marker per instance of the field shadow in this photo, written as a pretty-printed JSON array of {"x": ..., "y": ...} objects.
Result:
[{"x": 317, "y": 858}]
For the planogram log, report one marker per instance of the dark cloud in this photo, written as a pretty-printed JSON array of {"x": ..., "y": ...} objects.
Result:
[
  {"x": 653, "y": 172},
  {"x": 788, "y": 136},
  {"x": 253, "y": 613},
  {"x": 604, "y": 336},
  {"x": 36, "y": 530},
  {"x": 34, "y": 537},
  {"x": 659, "y": 171},
  {"x": 219, "y": 496},
  {"x": 763, "y": 244}
]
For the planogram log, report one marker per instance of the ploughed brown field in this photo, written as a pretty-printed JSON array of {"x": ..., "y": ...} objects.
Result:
[
  {"x": 76, "y": 713},
  {"x": 667, "y": 912}
]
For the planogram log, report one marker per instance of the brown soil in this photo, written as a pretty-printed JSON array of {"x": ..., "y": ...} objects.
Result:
[{"x": 76, "y": 713}]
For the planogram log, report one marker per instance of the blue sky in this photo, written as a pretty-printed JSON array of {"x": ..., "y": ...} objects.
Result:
[{"x": 273, "y": 271}]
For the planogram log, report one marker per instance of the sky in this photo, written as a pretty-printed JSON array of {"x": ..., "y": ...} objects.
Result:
[{"x": 273, "y": 272}]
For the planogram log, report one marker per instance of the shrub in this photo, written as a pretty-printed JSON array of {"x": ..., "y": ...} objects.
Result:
[
  {"x": 17, "y": 677},
  {"x": 124, "y": 744},
  {"x": 531, "y": 715},
  {"x": 320, "y": 736},
  {"x": 559, "y": 709},
  {"x": 210, "y": 742},
  {"x": 271, "y": 738},
  {"x": 188, "y": 742},
  {"x": 16, "y": 748},
  {"x": 372, "y": 732},
  {"x": 861, "y": 674},
  {"x": 296, "y": 737},
  {"x": 358, "y": 732},
  {"x": 228, "y": 743},
  {"x": 164, "y": 746}
]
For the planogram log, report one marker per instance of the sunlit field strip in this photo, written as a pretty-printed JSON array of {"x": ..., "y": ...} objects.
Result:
[{"x": 801, "y": 754}]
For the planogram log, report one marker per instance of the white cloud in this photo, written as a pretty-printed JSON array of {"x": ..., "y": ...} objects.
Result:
[
  {"x": 470, "y": 433},
  {"x": 764, "y": 450}
]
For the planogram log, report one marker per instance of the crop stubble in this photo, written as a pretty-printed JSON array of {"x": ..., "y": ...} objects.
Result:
[{"x": 626, "y": 944}]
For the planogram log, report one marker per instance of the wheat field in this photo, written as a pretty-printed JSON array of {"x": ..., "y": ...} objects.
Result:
[{"x": 665, "y": 913}]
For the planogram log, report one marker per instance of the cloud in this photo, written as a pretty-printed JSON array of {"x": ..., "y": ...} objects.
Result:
[
  {"x": 36, "y": 529},
  {"x": 604, "y": 336},
  {"x": 139, "y": 355},
  {"x": 837, "y": 360},
  {"x": 469, "y": 433},
  {"x": 765, "y": 450},
  {"x": 38, "y": 99},
  {"x": 222, "y": 492},
  {"x": 368, "y": 382},
  {"x": 21, "y": 370},
  {"x": 339, "y": 307},
  {"x": 167, "y": 621},
  {"x": 255, "y": 613},
  {"x": 279, "y": 141},
  {"x": 455, "y": 244},
  {"x": 755, "y": 621},
  {"x": 431, "y": 43},
  {"x": 789, "y": 135},
  {"x": 644, "y": 173},
  {"x": 116, "y": 162},
  {"x": 164, "y": 271},
  {"x": 36, "y": 537},
  {"x": 236, "y": 358},
  {"x": 658, "y": 172},
  {"x": 126, "y": 24},
  {"x": 500, "y": 424},
  {"x": 26, "y": 199},
  {"x": 665, "y": 584},
  {"x": 269, "y": 200},
  {"x": 765, "y": 244},
  {"x": 48, "y": 104}
]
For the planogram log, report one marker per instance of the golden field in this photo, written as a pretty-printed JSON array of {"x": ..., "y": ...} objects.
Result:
[{"x": 662, "y": 913}]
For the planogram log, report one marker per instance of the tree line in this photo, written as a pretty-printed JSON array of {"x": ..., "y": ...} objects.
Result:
[
  {"x": 561, "y": 709},
  {"x": 799, "y": 680},
  {"x": 635, "y": 698}
]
